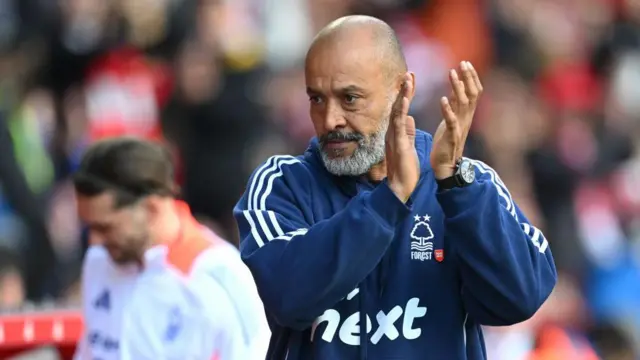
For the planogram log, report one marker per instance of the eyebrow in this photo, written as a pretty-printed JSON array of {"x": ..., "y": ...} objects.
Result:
[
  {"x": 351, "y": 88},
  {"x": 345, "y": 89},
  {"x": 98, "y": 225}
]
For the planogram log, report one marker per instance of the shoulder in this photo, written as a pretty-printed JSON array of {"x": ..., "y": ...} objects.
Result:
[
  {"x": 281, "y": 167},
  {"x": 224, "y": 266},
  {"x": 207, "y": 296},
  {"x": 221, "y": 275},
  {"x": 280, "y": 176},
  {"x": 172, "y": 287},
  {"x": 221, "y": 257},
  {"x": 183, "y": 256},
  {"x": 206, "y": 259}
]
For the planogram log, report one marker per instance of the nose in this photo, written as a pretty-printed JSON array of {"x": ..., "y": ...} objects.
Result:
[{"x": 334, "y": 117}]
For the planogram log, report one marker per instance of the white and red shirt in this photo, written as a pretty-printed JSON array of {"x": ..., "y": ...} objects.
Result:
[{"x": 193, "y": 300}]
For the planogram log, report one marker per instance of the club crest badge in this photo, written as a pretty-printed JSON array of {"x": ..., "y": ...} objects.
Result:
[{"x": 421, "y": 239}]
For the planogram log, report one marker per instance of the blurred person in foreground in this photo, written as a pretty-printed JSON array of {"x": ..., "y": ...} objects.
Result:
[
  {"x": 157, "y": 284},
  {"x": 382, "y": 241}
]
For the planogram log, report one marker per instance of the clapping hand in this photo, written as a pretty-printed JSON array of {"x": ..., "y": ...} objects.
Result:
[
  {"x": 457, "y": 113},
  {"x": 403, "y": 167}
]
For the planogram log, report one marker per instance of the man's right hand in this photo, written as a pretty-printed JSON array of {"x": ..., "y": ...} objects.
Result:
[{"x": 403, "y": 166}]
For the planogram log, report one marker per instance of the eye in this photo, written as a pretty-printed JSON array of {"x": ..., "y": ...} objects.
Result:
[
  {"x": 315, "y": 99},
  {"x": 350, "y": 98}
]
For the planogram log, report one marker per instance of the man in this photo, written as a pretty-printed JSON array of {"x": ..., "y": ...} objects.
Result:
[
  {"x": 381, "y": 241},
  {"x": 157, "y": 284}
]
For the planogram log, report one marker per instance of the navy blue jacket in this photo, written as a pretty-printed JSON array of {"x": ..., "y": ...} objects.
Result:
[{"x": 330, "y": 253}]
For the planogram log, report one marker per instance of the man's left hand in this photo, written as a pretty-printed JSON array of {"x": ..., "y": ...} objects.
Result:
[{"x": 457, "y": 113}]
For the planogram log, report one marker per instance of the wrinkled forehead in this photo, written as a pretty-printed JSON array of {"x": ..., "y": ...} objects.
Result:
[{"x": 344, "y": 62}]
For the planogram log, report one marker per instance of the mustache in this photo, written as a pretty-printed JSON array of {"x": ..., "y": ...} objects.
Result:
[{"x": 341, "y": 136}]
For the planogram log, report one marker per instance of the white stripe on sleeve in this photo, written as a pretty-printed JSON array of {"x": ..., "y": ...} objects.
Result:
[
  {"x": 500, "y": 186},
  {"x": 537, "y": 237},
  {"x": 264, "y": 223},
  {"x": 534, "y": 234}
]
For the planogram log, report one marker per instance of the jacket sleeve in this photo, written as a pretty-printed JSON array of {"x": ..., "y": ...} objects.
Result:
[
  {"x": 506, "y": 265},
  {"x": 302, "y": 267}
]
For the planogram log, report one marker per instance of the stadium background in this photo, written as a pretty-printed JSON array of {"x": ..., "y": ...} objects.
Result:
[{"x": 221, "y": 82}]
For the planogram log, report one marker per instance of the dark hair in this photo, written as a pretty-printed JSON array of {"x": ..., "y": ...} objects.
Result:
[{"x": 129, "y": 167}]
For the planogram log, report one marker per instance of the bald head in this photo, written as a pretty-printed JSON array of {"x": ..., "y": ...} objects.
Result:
[
  {"x": 365, "y": 33},
  {"x": 354, "y": 71}
]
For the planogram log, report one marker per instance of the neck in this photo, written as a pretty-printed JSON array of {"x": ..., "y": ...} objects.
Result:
[
  {"x": 378, "y": 172},
  {"x": 167, "y": 226}
]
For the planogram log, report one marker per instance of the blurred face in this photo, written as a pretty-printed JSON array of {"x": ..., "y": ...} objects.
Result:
[
  {"x": 123, "y": 232},
  {"x": 350, "y": 103},
  {"x": 11, "y": 290}
]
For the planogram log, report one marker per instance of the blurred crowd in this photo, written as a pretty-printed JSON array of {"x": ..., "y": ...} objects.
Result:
[{"x": 222, "y": 83}]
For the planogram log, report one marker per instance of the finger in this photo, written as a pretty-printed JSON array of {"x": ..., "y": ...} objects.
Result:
[
  {"x": 397, "y": 104},
  {"x": 458, "y": 88},
  {"x": 476, "y": 78},
  {"x": 448, "y": 114},
  {"x": 400, "y": 120},
  {"x": 401, "y": 106},
  {"x": 398, "y": 109},
  {"x": 470, "y": 87},
  {"x": 405, "y": 88},
  {"x": 410, "y": 129}
]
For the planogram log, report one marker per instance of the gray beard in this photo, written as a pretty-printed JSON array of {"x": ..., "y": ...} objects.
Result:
[{"x": 370, "y": 152}]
